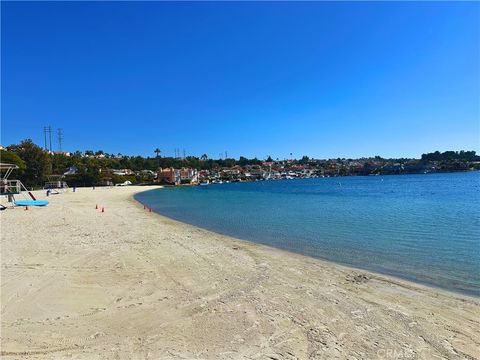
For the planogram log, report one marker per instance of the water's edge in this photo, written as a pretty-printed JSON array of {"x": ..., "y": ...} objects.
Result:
[{"x": 393, "y": 277}]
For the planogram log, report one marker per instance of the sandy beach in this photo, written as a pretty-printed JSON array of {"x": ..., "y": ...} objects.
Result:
[{"x": 77, "y": 283}]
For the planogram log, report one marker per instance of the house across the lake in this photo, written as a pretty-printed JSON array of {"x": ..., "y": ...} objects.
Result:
[{"x": 172, "y": 176}]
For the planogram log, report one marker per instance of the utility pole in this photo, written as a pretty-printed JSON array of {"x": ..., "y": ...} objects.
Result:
[
  {"x": 183, "y": 154},
  {"x": 45, "y": 135},
  {"x": 50, "y": 136},
  {"x": 48, "y": 130},
  {"x": 226, "y": 155},
  {"x": 60, "y": 139},
  {"x": 177, "y": 153}
]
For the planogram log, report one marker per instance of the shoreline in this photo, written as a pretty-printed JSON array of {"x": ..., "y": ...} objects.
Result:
[
  {"x": 129, "y": 283},
  {"x": 398, "y": 280},
  {"x": 390, "y": 276}
]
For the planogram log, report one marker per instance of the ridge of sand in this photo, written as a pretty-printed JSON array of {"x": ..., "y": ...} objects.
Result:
[{"x": 128, "y": 284}]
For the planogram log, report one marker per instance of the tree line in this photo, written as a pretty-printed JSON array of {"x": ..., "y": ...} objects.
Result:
[
  {"x": 35, "y": 164},
  {"x": 469, "y": 156}
]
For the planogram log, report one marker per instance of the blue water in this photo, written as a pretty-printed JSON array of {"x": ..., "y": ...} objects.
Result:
[{"x": 424, "y": 228}]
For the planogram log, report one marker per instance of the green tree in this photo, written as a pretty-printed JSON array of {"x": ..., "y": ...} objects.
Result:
[
  {"x": 304, "y": 159},
  {"x": 9, "y": 157},
  {"x": 60, "y": 163},
  {"x": 37, "y": 162},
  {"x": 243, "y": 161}
]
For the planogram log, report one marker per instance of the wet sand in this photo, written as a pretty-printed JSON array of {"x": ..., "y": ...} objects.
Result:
[{"x": 77, "y": 283}]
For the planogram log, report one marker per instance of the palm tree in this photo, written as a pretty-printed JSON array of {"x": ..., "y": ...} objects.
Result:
[
  {"x": 204, "y": 157},
  {"x": 157, "y": 151}
]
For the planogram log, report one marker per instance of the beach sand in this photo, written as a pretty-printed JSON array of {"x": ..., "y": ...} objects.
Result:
[{"x": 77, "y": 283}]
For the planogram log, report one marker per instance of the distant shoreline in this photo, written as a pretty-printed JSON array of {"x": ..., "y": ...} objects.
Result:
[
  {"x": 98, "y": 168},
  {"x": 317, "y": 177}
]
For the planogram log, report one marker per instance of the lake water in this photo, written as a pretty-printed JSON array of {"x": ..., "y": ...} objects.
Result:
[{"x": 424, "y": 228}]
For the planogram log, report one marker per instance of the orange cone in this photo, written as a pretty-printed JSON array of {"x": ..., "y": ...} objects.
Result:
[{"x": 103, "y": 209}]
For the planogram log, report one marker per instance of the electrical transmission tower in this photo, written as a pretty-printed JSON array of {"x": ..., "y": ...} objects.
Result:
[{"x": 60, "y": 139}]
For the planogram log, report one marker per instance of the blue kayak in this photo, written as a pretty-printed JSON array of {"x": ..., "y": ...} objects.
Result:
[{"x": 31, "y": 202}]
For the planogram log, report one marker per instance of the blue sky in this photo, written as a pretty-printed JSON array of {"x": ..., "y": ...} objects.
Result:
[{"x": 260, "y": 78}]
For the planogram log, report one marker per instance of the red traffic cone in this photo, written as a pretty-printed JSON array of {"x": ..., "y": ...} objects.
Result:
[
  {"x": 103, "y": 209},
  {"x": 144, "y": 206},
  {"x": 149, "y": 209},
  {"x": 96, "y": 207}
]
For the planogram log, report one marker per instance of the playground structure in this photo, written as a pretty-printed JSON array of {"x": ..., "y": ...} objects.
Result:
[
  {"x": 10, "y": 188},
  {"x": 56, "y": 182}
]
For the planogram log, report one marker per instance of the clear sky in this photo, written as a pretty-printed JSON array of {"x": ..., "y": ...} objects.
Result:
[{"x": 260, "y": 78}]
